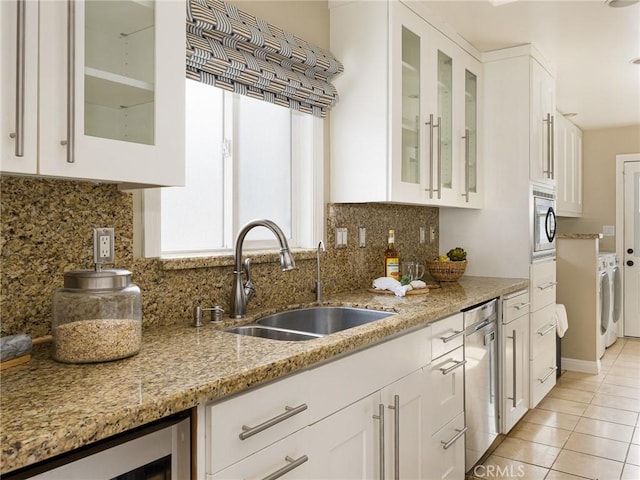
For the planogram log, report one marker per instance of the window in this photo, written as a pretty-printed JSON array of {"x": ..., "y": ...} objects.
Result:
[{"x": 245, "y": 159}]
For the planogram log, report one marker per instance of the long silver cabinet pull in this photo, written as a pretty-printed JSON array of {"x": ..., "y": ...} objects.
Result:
[
  {"x": 439, "y": 127},
  {"x": 514, "y": 373},
  {"x": 547, "y": 285},
  {"x": 549, "y": 373},
  {"x": 380, "y": 417},
  {"x": 467, "y": 164},
  {"x": 18, "y": 135},
  {"x": 459, "y": 433},
  {"x": 396, "y": 436},
  {"x": 70, "y": 141},
  {"x": 430, "y": 124},
  {"x": 289, "y": 412},
  {"x": 549, "y": 124},
  {"x": 552, "y": 148},
  {"x": 549, "y": 329},
  {"x": 522, "y": 305},
  {"x": 456, "y": 334},
  {"x": 446, "y": 371},
  {"x": 293, "y": 463}
]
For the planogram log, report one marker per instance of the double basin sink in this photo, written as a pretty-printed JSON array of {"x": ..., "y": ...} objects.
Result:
[{"x": 309, "y": 323}]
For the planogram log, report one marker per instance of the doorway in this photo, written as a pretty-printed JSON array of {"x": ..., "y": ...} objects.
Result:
[{"x": 628, "y": 240}]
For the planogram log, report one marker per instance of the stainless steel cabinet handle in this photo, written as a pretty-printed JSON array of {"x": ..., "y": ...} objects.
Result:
[
  {"x": 396, "y": 436},
  {"x": 549, "y": 373},
  {"x": 520, "y": 306},
  {"x": 456, "y": 334},
  {"x": 549, "y": 124},
  {"x": 459, "y": 433},
  {"x": 430, "y": 124},
  {"x": 439, "y": 127},
  {"x": 549, "y": 329},
  {"x": 293, "y": 463},
  {"x": 289, "y": 412},
  {"x": 552, "y": 148},
  {"x": 467, "y": 164},
  {"x": 71, "y": 82},
  {"x": 547, "y": 286},
  {"x": 380, "y": 417},
  {"x": 18, "y": 135},
  {"x": 446, "y": 371},
  {"x": 514, "y": 373}
]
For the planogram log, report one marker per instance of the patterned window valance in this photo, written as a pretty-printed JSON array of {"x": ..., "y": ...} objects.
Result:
[{"x": 244, "y": 54}]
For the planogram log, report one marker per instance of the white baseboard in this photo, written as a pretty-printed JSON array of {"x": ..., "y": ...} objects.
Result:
[{"x": 584, "y": 366}]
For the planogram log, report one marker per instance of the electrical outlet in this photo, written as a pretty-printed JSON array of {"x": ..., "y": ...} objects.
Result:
[
  {"x": 432, "y": 233},
  {"x": 341, "y": 237},
  {"x": 103, "y": 246},
  {"x": 362, "y": 237}
]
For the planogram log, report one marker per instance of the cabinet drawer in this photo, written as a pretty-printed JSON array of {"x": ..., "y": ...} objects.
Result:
[
  {"x": 543, "y": 374},
  {"x": 446, "y": 335},
  {"x": 292, "y": 449},
  {"x": 543, "y": 330},
  {"x": 543, "y": 284},
  {"x": 515, "y": 306},
  {"x": 285, "y": 404},
  {"x": 446, "y": 450},
  {"x": 446, "y": 381},
  {"x": 356, "y": 376}
]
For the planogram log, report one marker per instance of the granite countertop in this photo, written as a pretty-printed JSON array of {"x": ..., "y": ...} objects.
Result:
[
  {"x": 579, "y": 236},
  {"x": 48, "y": 408}
]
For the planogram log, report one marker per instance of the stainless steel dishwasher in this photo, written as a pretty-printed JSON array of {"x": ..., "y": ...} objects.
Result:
[{"x": 480, "y": 379}]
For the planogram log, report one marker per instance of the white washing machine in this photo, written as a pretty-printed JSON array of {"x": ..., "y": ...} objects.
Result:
[
  {"x": 604, "y": 293},
  {"x": 615, "y": 280}
]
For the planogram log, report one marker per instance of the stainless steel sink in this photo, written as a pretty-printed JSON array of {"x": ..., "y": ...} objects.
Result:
[
  {"x": 272, "y": 333},
  {"x": 322, "y": 320}
]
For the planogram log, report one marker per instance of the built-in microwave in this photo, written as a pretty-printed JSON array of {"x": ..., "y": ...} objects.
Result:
[
  {"x": 158, "y": 451},
  {"x": 543, "y": 222}
]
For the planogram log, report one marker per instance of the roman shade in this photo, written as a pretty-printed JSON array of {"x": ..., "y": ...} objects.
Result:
[{"x": 244, "y": 54}]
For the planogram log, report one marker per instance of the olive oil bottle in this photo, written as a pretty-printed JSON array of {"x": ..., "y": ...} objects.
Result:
[{"x": 391, "y": 258}]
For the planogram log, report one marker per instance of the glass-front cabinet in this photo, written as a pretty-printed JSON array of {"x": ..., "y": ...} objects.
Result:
[
  {"x": 406, "y": 101},
  {"x": 110, "y": 90}
]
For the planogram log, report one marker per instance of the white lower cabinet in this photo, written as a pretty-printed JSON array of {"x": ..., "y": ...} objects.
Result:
[
  {"x": 515, "y": 379},
  {"x": 286, "y": 458},
  {"x": 345, "y": 444},
  {"x": 446, "y": 451},
  {"x": 385, "y": 411}
]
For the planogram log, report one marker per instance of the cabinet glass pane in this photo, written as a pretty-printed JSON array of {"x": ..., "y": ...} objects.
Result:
[
  {"x": 410, "y": 171},
  {"x": 471, "y": 125},
  {"x": 445, "y": 114},
  {"x": 119, "y": 69}
]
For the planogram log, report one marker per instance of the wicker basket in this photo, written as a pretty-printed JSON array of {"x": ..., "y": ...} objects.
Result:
[{"x": 446, "y": 271}]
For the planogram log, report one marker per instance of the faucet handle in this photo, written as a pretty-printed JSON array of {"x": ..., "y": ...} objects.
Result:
[
  {"x": 216, "y": 314},
  {"x": 249, "y": 288}
]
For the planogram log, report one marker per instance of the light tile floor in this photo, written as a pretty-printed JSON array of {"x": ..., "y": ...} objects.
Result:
[{"x": 586, "y": 427}]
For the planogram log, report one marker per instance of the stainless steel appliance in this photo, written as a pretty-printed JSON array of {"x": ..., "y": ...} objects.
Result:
[
  {"x": 480, "y": 379},
  {"x": 158, "y": 451},
  {"x": 543, "y": 222}
]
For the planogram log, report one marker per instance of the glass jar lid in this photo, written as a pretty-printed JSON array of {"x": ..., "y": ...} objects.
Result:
[{"x": 93, "y": 280}]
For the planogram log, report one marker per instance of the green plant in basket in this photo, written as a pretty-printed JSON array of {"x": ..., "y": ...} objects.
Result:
[{"x": 457, "y": 254}]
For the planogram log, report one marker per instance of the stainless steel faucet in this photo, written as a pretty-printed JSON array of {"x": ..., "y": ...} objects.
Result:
[
  {"x": 318, "y": 285},
  {"x": 241, "y": 293}
]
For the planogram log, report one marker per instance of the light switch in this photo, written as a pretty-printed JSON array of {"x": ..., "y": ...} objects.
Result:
[
  {"x": 608, "y": 230},
  {"x": 341, "y": 237},
  {"x": 362, "y": 237},
  {"x": 423, "y": 235}
]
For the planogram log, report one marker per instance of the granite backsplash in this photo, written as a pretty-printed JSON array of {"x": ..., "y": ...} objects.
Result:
[{"x": 47, "y": 227}]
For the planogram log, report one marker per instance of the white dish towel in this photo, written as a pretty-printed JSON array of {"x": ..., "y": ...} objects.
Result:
[{"x": 562, "y": 324}]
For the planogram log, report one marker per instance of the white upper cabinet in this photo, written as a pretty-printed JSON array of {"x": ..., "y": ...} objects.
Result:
[
  {"x": 407, "y": 97},
  {"x": 543, "y": 111},
  {"x": 18, "y": 86},
  {"x": 568, "y": 167},
  {"x": 111, "y": 91}
]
